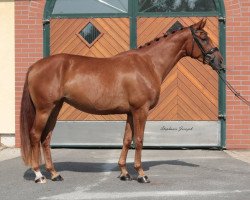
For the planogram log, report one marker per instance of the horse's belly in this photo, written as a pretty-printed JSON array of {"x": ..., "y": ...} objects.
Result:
[{"x": 99, "y": 104}]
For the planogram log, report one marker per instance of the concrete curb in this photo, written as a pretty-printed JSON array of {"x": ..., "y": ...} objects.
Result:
[
  {"x": 9, "y": 153},
  {"x": 243, "y": 155}
]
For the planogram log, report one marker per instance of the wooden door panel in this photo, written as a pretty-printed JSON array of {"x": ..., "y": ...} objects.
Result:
[{"x": 190, "y": 91}]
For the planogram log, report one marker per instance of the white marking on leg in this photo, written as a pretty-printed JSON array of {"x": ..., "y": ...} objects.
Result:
[{"x": 38, "y": 174}]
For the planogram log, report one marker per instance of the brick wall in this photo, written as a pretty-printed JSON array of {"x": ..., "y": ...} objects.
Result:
[
  {"x": 29, "y": 44},
  {"x": 238, "y": 72}
]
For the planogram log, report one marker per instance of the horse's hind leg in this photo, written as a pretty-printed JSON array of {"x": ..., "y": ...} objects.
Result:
[
  {"x": 45, "y": 140},
  {"x": 39, "y": 124},
  {"x": 126, "y": 145},
  {"x": 55, "y": 176}
]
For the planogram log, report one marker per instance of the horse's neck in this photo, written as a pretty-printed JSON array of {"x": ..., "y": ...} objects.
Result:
[{"x": 165, "y": 53}]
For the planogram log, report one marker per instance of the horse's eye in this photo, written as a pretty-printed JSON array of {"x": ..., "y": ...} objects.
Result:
[{"x": 204, "y": 40}]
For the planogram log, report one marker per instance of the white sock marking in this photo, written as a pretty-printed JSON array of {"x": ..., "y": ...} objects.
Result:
[{"x": 38, "y": 174}]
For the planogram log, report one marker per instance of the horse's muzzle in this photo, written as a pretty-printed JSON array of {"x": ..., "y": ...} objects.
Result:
[{"x": 215, "y": 63}]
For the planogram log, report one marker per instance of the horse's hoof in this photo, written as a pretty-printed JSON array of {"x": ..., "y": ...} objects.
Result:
[
  {"x": 143, "y": 179},
  {"x": 41, "y": 180},
  {"x": 57, "y": 178},
  {"x": 127, "y": 177}
]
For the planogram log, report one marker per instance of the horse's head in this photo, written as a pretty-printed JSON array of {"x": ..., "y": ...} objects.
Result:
[{"x": 202, "y": 47}]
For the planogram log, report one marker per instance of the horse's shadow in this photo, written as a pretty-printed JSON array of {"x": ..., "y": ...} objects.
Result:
[{"x": 91, "y": 167}]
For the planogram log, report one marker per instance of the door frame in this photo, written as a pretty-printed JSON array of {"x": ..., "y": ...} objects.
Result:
[{"x": 132, "y": 15}]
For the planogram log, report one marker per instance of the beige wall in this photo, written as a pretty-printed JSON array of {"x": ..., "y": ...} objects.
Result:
[{"x": 7, "y": 67}]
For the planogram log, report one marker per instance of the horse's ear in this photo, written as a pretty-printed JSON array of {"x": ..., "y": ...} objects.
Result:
[{"x": 200, "y": 25}]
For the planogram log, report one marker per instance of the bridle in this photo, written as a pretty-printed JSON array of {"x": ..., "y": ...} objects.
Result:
[{"x": 208, "y": 57}]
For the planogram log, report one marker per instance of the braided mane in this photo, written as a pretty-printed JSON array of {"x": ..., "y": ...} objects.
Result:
[{"x": 158, "y": 38}]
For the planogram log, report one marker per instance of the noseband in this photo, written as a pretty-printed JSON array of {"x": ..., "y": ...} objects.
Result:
[{"x": 208, "y": 57}]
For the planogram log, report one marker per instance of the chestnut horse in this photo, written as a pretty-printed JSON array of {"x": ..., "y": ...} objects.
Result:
[{"x": 127, "y": 83}]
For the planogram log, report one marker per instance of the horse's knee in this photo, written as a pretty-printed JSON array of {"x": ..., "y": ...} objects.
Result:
[
  {"x": 127, "y": 142},
  {"x": 139, "y": 143},
  {"x": 121, "y": 164}
]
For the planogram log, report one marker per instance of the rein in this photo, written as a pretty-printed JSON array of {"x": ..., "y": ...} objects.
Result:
[
  {"x": 208, "y": 59},
  {"x": 230, "y": 87}
]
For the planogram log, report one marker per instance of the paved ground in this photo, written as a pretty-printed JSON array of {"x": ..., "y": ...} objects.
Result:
[
  {"x": 8, "y": 153},
  {"x": 92, "y": 174}
]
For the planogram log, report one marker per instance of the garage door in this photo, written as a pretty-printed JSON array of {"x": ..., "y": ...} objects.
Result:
[{"x": 187, "y": 112}]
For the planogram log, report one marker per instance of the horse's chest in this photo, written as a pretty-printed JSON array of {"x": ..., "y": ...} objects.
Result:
[
  {"x": 155, "y": 94},
  {"x": 144, "y": 95}
]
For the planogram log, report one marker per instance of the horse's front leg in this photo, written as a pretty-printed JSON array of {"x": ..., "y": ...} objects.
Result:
[
  {"x": 139, "y": 121},
  {"x": 126, "y": 145}
]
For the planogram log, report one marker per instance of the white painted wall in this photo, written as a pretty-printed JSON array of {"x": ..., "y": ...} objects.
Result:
[{"x": 7, "y": 68}]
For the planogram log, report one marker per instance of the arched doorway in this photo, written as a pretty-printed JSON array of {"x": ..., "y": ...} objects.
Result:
[{"x": 192, "y": 104}]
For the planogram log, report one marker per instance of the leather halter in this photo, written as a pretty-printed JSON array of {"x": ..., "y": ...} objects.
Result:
[{"x": 207, "y": 55}]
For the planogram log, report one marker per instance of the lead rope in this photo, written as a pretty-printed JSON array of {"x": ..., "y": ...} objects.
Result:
[{"x": 237, "y": 94}]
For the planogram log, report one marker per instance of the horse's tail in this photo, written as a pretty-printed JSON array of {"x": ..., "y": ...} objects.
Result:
[{"x": 27, "y": 117}]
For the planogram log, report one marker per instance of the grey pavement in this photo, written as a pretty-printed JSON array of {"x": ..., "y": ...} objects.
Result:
[
  {"x": 92, "y": 174},
  {"x": 8, "y": 153}
]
